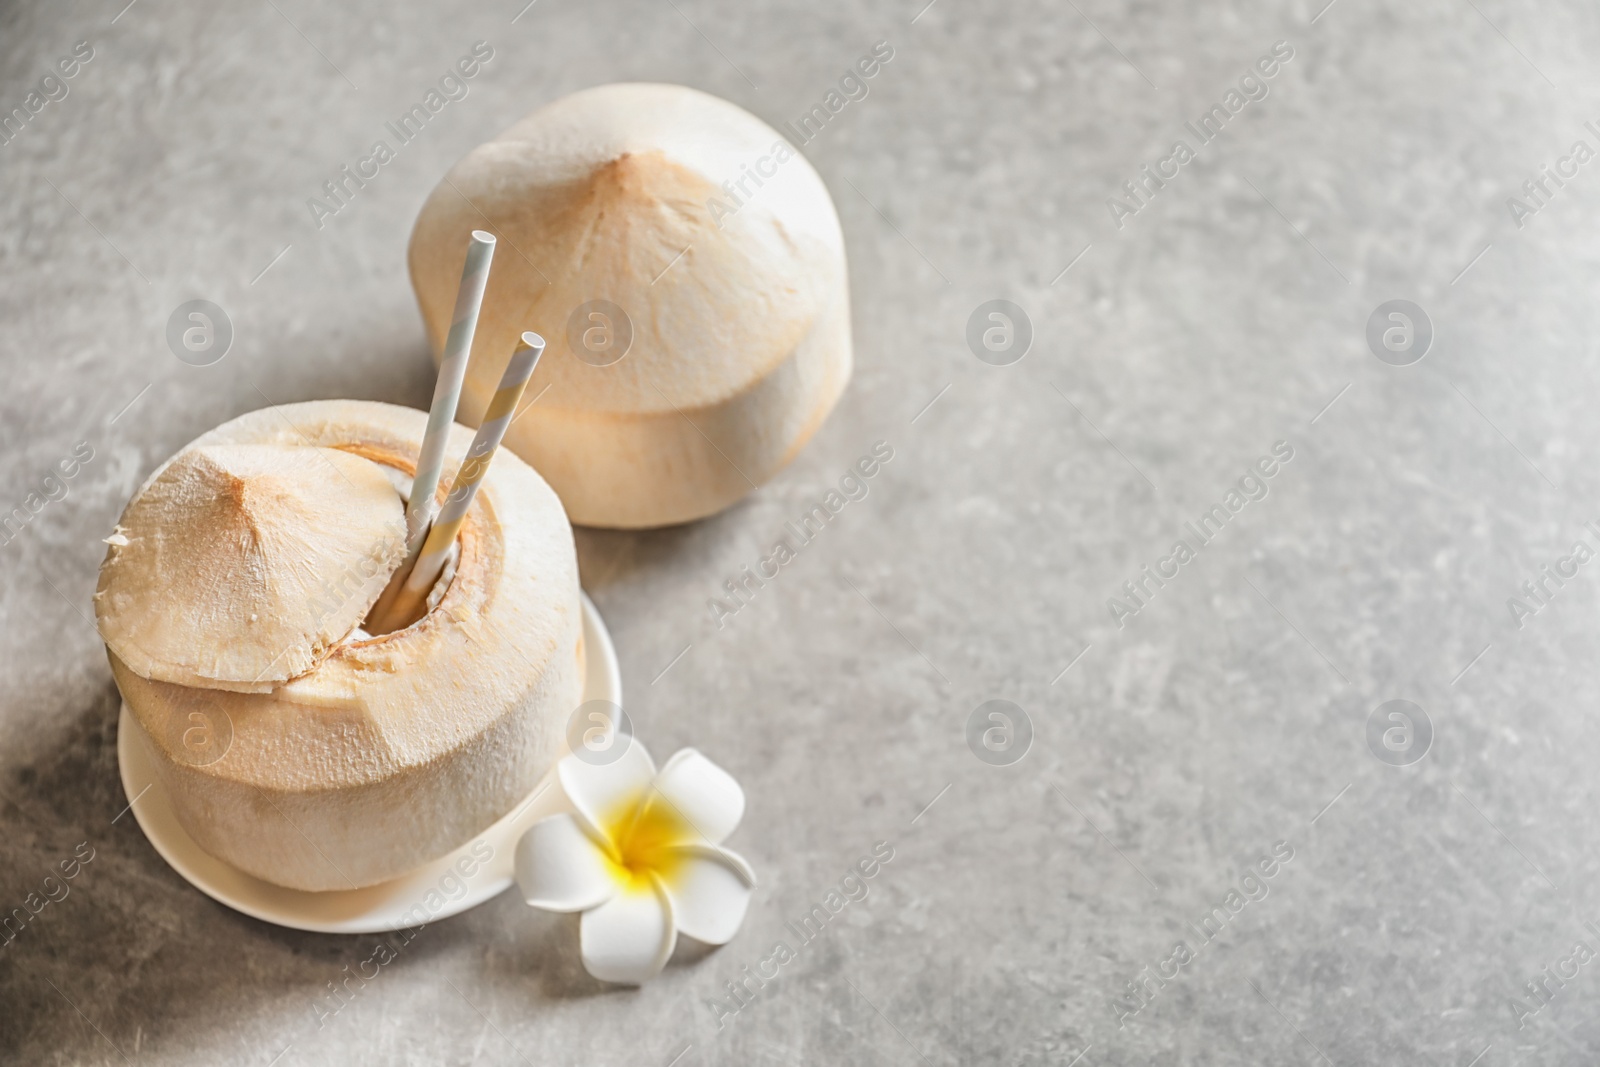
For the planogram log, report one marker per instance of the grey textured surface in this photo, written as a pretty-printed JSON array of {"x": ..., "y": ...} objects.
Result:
[{"x": 1228, "y": 715}]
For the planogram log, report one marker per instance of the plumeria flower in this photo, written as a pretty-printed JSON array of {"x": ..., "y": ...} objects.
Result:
[{"x": 641, "y": 857}]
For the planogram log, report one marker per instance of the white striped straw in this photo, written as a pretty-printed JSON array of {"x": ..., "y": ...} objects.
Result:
[
  {"x": 441, "y": 415},
  {"x": 447, "y": 391},
  {"x": 442, "y": 534}
]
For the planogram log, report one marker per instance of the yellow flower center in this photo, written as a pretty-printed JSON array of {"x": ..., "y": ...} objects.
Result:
[{"x": 642, "y": 836}]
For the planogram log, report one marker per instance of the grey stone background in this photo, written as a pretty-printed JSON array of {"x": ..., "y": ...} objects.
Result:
[{"x": 1229, "y": 715}]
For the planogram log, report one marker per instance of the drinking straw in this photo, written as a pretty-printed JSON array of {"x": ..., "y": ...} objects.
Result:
[
  {"x": 447, "y": 390},
  {"x": 442, "y": 534},
  {"x": 442, "y": 413}
]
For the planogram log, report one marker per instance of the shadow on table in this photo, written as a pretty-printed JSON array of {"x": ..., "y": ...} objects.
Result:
[{"x": 129, "y": 959}]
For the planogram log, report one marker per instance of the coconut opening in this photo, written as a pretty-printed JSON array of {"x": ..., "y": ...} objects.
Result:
[
  {"x": 441, "y": 585},
  {"x": 366, "y": 633}
]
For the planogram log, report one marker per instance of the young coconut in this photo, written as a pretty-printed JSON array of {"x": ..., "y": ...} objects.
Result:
[
  {"x": 230, "y": 598},
  {"x": 688, "y": 267}
]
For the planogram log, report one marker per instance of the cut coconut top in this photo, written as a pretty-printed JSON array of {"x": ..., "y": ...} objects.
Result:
[{"x": 239, "y": 566}]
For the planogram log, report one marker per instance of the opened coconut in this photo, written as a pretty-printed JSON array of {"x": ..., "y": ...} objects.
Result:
[
  {"x": 231, "y": 601},
  {"x": 688, "y": 267}
]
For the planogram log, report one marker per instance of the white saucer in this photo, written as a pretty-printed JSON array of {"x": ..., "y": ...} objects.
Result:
[{"x": 438, "y": 888}]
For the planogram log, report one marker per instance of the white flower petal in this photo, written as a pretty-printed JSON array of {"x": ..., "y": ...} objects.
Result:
[
  {"x": 559, "y": 868},
  {"x": 701, "y": 793},
  {"x": 601, "y": 790},
  {"x": 710, "y": 890},
  {"x": 629, "y": 938}
]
